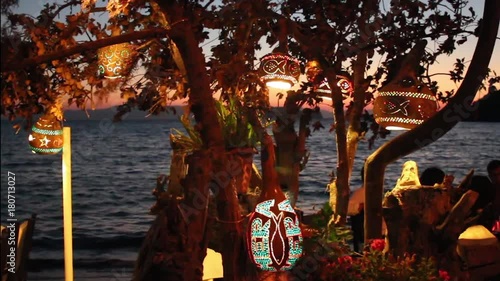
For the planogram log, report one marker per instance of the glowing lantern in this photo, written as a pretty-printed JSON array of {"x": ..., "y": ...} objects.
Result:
[
  {"x": 279, "y": 70},
  {"x": 46, "y": 135},
  {"x": 314, "y": 75},
  {"x": 345, "y": 84},
  {"x": 405, "y": 102},
  {"x": 478, "y": 246},
  {"x": 274, "y": 236},
  {"x": 115, "y": 61}
]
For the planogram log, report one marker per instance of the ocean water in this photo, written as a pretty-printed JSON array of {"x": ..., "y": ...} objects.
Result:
[{"x": 114, "y": 170}]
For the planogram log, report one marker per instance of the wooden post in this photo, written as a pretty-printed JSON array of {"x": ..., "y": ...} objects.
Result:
[{"x": 67, "y": 205}]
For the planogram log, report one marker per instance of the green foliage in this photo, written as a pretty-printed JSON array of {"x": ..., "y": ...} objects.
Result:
[
  {"x": 329, "y": 232},
  {"x": 236, "y": 128},
  {"x": 189, "y": 141},
  {"x": 243, "y": 28}
]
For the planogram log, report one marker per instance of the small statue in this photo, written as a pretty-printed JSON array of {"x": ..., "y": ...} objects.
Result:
[{"x": 409, "y": 175}]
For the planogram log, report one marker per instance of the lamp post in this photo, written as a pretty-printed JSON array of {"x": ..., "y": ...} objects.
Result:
[
  {"x": 49, "y": 137},
  {"x": 67, "y": 205}
]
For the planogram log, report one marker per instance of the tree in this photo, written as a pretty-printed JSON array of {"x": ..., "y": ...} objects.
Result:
[
  {"x": 60, "y": 60},
  {"x": 457, "y": 109},
  {"x": 7, "y": 5}
]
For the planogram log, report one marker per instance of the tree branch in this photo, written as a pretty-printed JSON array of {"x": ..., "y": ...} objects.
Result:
[
  {"x": 13, "y": 65},
  {"x": 457, "y": 109}
]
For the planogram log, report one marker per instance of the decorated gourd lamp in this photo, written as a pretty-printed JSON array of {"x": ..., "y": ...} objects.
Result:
[
  {"x": 314, "y": 74},
  {"x": 46, "y": 135},
  {"x": 405, "y": 102},
  {"x": 273, "y": 235},
  {"x": 279, "y": 70},
  {"x": 115, "y": 61}
]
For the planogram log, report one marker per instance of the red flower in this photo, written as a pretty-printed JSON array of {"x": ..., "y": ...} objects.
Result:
[
  {"x": 378, "y": 244},
  {"x": 443, "y": 274},
  {"x": 344, "y": 260}
]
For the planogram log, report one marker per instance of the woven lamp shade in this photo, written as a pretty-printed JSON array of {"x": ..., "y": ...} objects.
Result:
[
  {"x": 46, "y": 135},
  {"x": 115, "y": 61},
  {"x": 279, "y": 70},
  {"x": 405, "y": 102}
]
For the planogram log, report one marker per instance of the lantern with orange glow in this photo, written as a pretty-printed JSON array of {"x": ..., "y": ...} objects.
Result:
[
  {"x": 315, "y": 75},
  {"x": 274, "y": 236},
  {"x": 405, "y": 102},
  {"x": 46, "y": 135},
  {"x": 279, "y": 70},
  {"x": 115, "y": 61}
]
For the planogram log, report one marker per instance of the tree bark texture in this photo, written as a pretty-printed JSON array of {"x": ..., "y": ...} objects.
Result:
[
  {"x": 176, "y": 244},
  {"x": 457, "y": 109},
  {"x": 178, "y": 169},
  {"x": 202, "y": 105},
  {"x": 341, "y": 183},
  {"x": 234, "y": 253},
  {"x": 360, "y": 88},
  {"x": 424, "y": 220},
  {"x": 290, "y": 147}
]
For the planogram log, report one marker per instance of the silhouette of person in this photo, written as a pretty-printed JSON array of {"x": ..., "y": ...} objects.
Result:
[
  {"x": 432, "y": 176},
  {"x": 493, "y": 169},
  {"x": 483, "y": 205}
]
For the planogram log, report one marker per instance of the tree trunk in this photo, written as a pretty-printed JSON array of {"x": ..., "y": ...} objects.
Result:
[
  {"x": 360, "y": 88},
  {"x": 202, "y": 105},
  {"x": 341, "y": 183},
  {"x": 234, "y": 254},
  {"x": 290, "y": 146},
  {"x": 178, "y": 169},
  {"x": 176, "y": 244},
  {"x": 457, "y": 109},
  {"x": 287, "y": 167},
  {"x": 422, "y": 220},
  {"x": 411, "y": 214}
]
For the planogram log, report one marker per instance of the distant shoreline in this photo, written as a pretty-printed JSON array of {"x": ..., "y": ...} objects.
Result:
[{"x": 108, "y": 113}]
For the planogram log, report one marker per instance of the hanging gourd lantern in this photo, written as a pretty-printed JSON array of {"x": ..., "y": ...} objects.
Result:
[
  {"x": 314, "y": 74},
  {"x": 279, "y": 70},
  {"x": 274, "y": 236},
  {"x": 344, "y": 83},
  {"x": 405, "y": 102},
  {"x": 115, "y": 61},
  {"x": 46, "y": 135}
]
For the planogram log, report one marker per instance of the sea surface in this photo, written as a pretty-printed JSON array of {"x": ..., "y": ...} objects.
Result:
[{"x": 114, "y": 170}]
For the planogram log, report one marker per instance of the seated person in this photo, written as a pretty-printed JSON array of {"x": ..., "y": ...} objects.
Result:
[
  {"x": 484, "y": 203},
  {"x": 494, "y": 175},
  {"x": 432, "y": 176}
]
